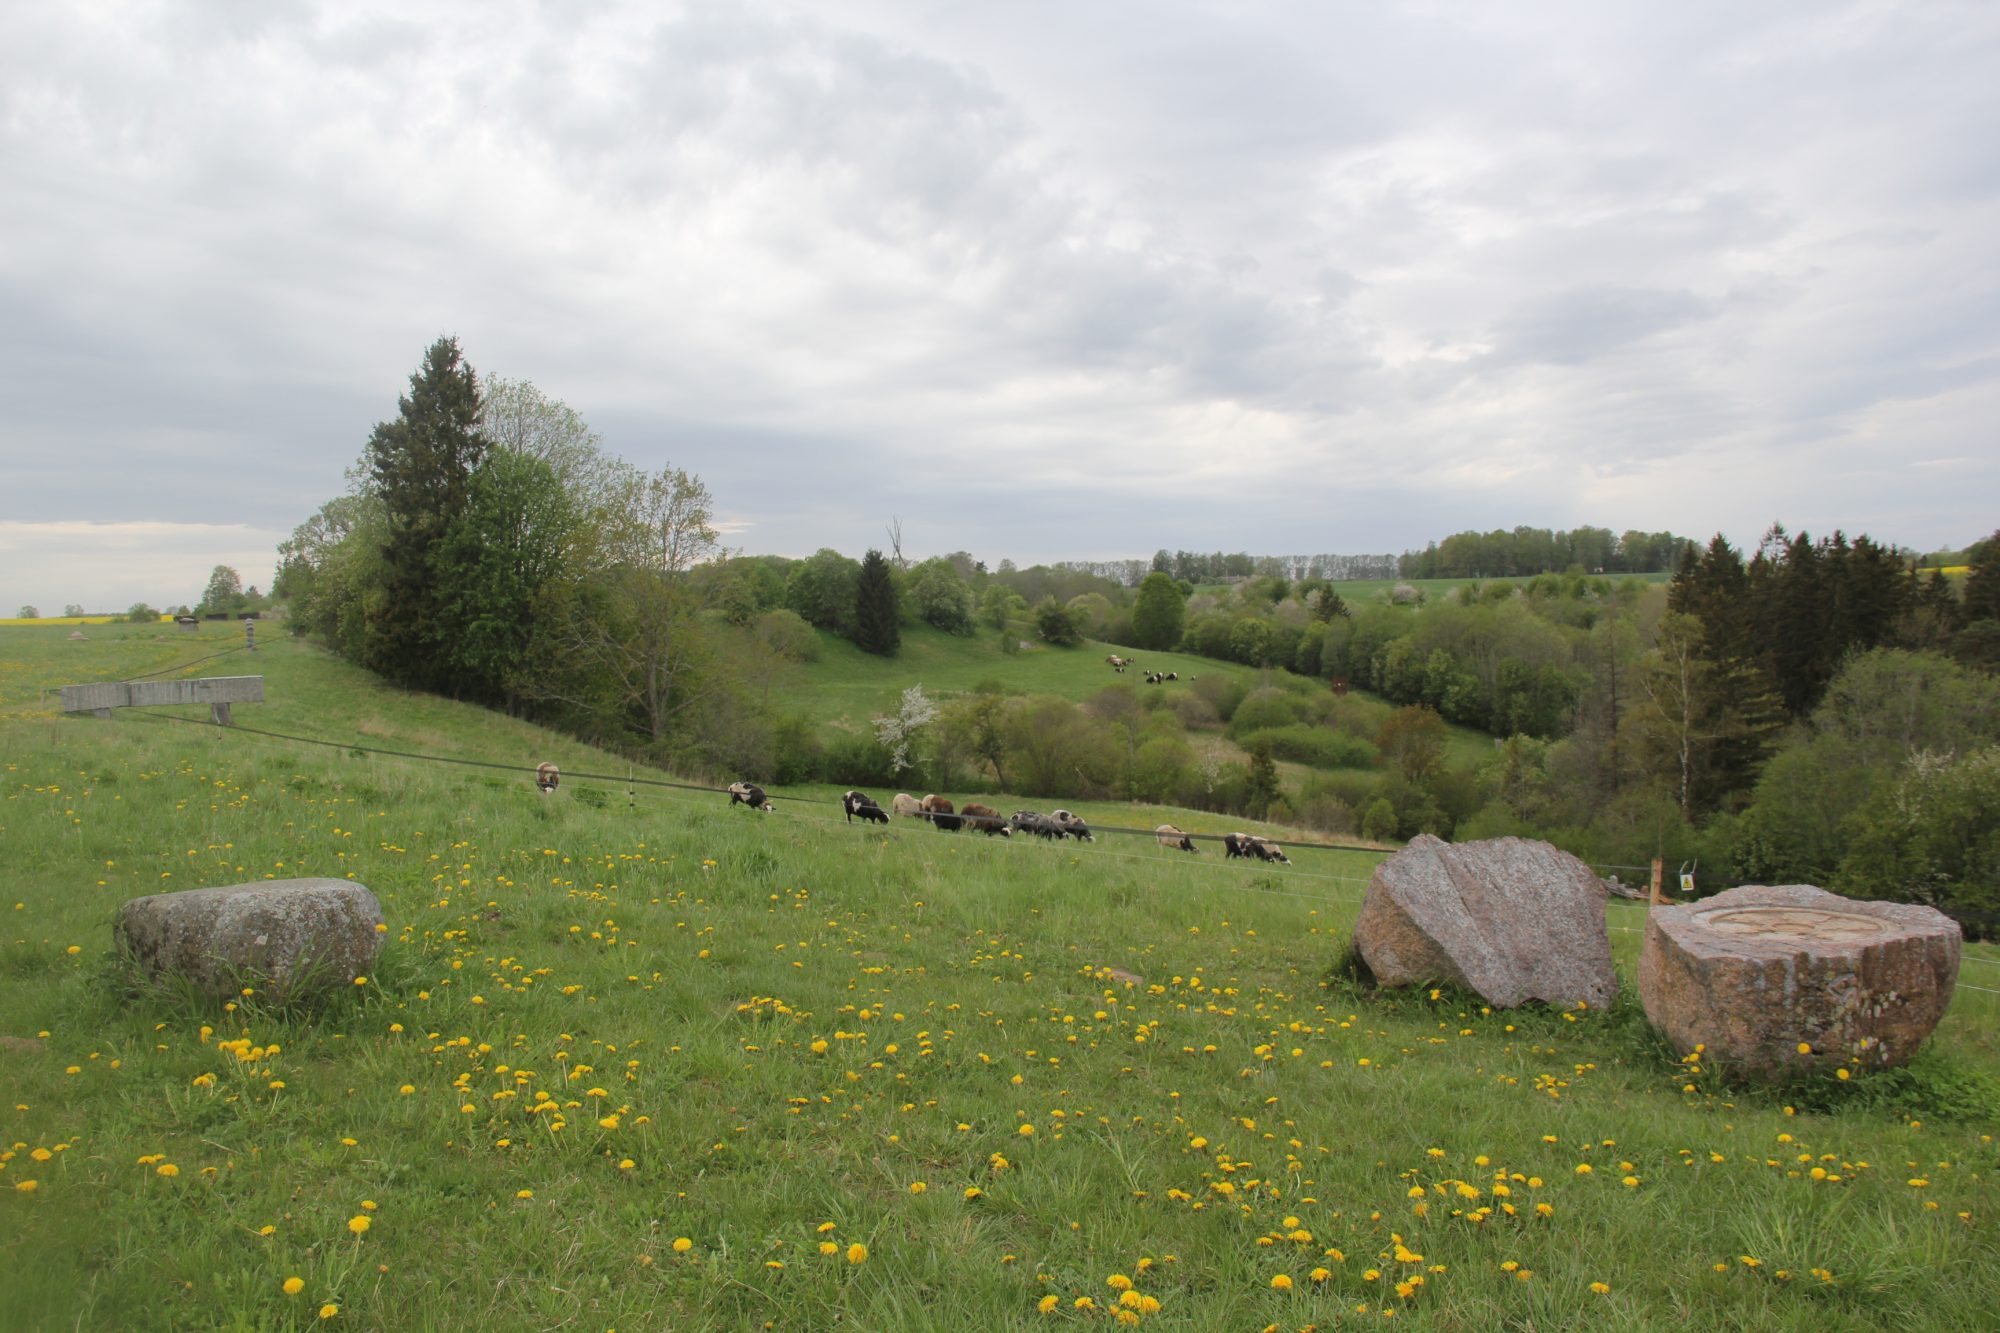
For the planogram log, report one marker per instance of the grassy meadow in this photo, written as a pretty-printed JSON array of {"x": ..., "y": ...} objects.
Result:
[
  {"x": 635, "y": 1059},
  {"x": 845, "y": 687}
]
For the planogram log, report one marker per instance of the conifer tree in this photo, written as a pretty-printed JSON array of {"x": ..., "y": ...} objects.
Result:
[
  {"x": 420, "y": 464},
  {"x": 876, "y": 613}
]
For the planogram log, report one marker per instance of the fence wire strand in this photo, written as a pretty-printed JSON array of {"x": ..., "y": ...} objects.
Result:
[{"x": 664, "y": 785}]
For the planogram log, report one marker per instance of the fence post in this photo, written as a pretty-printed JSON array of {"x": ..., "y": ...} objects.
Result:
[{"x": 1659, "y": 880}]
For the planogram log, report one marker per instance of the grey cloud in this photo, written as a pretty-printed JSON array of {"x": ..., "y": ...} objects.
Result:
[{"x": 1584, "y": 323}]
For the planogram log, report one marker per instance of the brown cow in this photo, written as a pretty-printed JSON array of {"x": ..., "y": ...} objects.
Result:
[
  {"x": 1170, "y": 836},
  {"x": 984, "y": 819}
]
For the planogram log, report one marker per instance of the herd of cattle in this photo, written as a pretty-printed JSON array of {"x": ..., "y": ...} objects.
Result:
[
  {"x": 946, "y": 818},
  {"x": 1119, "y": 664}
]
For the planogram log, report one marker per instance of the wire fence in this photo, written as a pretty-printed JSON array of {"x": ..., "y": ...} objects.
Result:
[{"x": 665, "y": 786}]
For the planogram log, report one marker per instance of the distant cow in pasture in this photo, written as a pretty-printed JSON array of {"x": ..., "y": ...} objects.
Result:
[
  {"x": 1071, "y": 825},
  {"x": 906, "y": 805},
  {"x": 984, "y": 819},
  {"x": 1266, "y": 850},
  {"x": 548, "y": 777},
  {"x": 1236, "y": 844},
  {"x": 750, "y": 794},
  {"x": 862, "y": 806},
  {"x": 1040, "y": 825},
  {"x": 939, "y": 811},
  {"x": 1170, "y": 836}
]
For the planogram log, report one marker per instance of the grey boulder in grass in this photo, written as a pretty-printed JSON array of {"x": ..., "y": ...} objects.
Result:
[
  {"x": 1511, "y": 919},
  {"x": 289, "y": 937}
]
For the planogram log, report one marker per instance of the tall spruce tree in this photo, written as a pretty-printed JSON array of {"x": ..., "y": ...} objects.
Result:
[
  {"x": 876, "y": 613},
  {"x": 420, "y": 464}
]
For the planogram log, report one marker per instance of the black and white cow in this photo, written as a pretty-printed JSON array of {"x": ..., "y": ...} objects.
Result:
[
  {"x": 858, "y": 805},
  {"x": 1072, "y": 825}
]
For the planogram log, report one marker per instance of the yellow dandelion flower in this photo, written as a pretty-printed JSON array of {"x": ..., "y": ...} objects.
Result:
[
  {"x": 1047, "y": 1305},
  {"x": 857, "y": 1253},
  {"x": 329, "y": 1310},
  {"x": 682, "y": 1245},
  {"x": 524, "y": 1194},
  {"x": 27, "y": 1186},
  {"x": 167, "y": 1169},
  {"x": 918, "y": 1187},
  {"x": 1282, "y": 1282},
  {"x": 1601, "y": 1288},
  {"x": 358, "y": 1224},
  {"x": 294, "y": 1285}
]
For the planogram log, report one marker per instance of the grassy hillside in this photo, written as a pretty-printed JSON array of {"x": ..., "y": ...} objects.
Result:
[
  {"x": 845, "y": 687},
  {"x": 654, "y": 1062}
]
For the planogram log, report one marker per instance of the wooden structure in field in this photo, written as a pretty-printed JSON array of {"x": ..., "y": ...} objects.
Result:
[{"x": 218, "y": 692}]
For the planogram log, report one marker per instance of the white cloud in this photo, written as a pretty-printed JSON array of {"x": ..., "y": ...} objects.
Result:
[
  {"x": 110, "y": 566},
  {"x": 1034, "y": 277}
]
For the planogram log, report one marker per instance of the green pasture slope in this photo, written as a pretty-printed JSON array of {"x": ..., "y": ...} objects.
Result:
[
  {"x": 846, "y": 687},
  {"x": 659, "y": 1063}
]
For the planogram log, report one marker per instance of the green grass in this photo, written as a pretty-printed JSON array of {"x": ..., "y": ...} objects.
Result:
[
  {"x": 684, "y": 959},
  {"x": 846, "y": 687}
]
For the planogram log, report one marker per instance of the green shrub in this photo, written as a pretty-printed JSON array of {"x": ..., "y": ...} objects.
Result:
[
  {"x": 1319, "y": 746},
  {"x": 1261, "y": 710}
]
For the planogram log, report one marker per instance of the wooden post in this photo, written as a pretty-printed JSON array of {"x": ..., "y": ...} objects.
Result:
[{"x": 1659, "y": 881}]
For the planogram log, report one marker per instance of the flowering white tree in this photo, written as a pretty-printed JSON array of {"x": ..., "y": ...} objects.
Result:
[{"x": 898, "y": 730}]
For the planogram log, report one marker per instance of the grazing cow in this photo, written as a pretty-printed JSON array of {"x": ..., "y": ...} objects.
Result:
[
  {"x": 984, "y": 819},
  {"x": 547, "y": 777},
  {"x": 1071, "y": 825},
  {"x": 1266, "y": 850},
  {"x": 750, "y": 794},
  {"x": 855, "y": 803},
  {"x": 1170, "y": 836},
  {"x": 906, "y": 804},
  {"x": 939, "y": 811},
  {"x": 1173, "y": 675},
  {"x": 1027, "y": 821},
  {"x": 1236, "y": 844}
]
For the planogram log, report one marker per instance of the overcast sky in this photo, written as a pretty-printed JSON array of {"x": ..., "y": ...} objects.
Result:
[{"x": 1044, "y": 280}]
